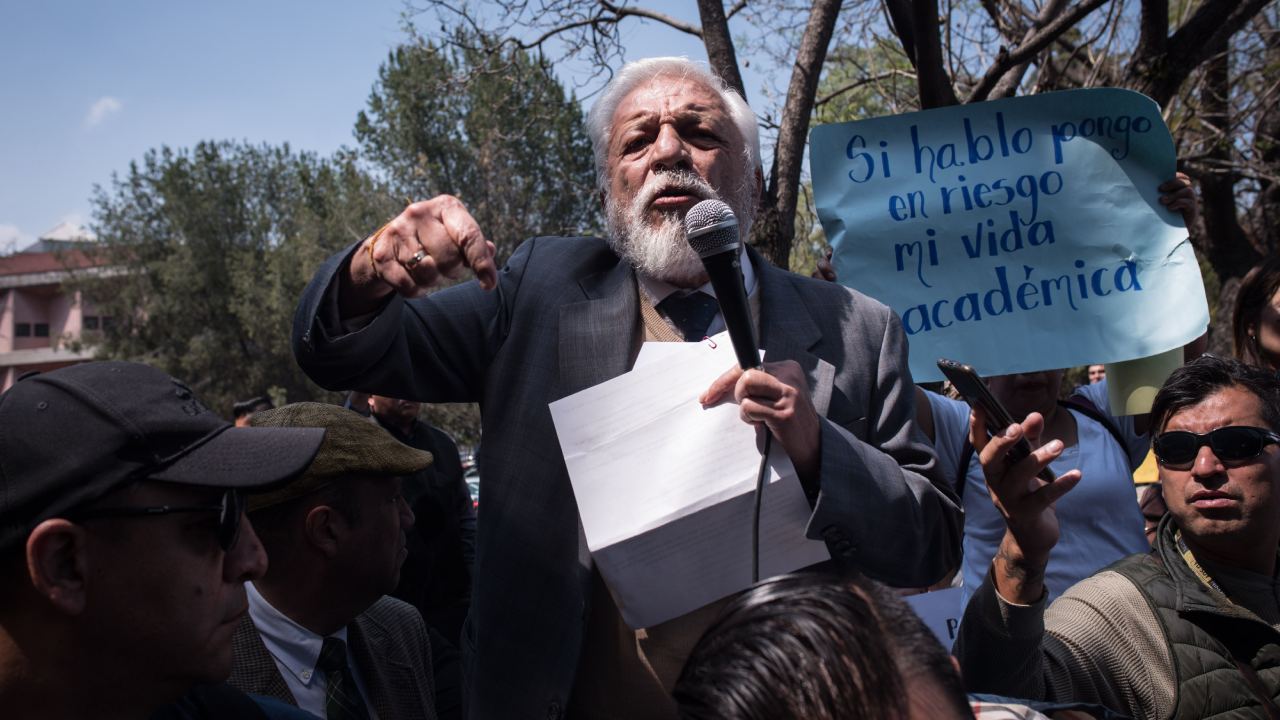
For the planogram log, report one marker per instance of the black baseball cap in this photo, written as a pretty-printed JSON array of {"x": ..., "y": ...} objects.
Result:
[{"x": 70, "y": 436}]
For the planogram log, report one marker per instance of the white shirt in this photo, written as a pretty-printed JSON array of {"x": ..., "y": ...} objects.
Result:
[
  {"x": 657, "y": 290},
  {"x": 296, "y": 650}
]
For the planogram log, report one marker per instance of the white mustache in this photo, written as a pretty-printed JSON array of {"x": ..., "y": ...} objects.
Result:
[{"x": 685, "y": 182}]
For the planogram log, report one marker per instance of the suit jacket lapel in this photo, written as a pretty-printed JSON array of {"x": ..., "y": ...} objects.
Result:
[
  {"x": 788, "y": 331},
  {"x": 253, "y": 670},
  {"x": 391, "y": 683},
  {"x": 600, "y": 336}
]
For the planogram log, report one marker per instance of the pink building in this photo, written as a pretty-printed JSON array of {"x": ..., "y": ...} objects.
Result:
[{"x": 44, "y": 326}]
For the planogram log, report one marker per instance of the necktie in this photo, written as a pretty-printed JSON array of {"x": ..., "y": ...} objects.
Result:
[
  {"x": 342, "y": 697},
  {"x": 691, "y": 312}
]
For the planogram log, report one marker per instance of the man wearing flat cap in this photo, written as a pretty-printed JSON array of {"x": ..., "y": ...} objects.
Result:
[
  {"x": 321, "y": 632},
  {"x": 123, "y": 548}
]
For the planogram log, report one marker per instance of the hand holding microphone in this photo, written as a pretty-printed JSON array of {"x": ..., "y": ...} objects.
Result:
[{"x": 776, "y": 394}]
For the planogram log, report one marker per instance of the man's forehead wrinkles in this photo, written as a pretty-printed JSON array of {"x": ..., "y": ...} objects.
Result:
[{"x": 687, "y": 112}]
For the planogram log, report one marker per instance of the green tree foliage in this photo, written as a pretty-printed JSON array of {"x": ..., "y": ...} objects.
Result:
[
  {"x": 497, "y": 130},
  {"x": 213, "y": 246}
]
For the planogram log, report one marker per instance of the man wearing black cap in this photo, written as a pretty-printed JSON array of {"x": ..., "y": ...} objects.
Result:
[
  {"x": 123, "y": 547},
  {"x": 321, "y": 632}
]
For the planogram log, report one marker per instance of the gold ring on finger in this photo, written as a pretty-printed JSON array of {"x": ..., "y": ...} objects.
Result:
[{"x": 418, "y": 257}]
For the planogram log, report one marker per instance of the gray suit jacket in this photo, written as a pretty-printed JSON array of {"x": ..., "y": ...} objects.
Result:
[
  {"x": 565, "y": 316},
  {"x": 393, "y": 655}
]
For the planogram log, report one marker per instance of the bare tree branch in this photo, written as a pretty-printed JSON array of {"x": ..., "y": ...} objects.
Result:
[
  {"x": 849, "y": 87},
  {"x": 1012, "y": 78},
  {"x": 1213, "y": 23},
  {"x": 1027, "y": 51},
  {"x": 623, "y": 11}
]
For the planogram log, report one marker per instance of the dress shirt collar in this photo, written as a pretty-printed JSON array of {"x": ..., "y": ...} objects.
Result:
[{"x": 294, "y": 646}]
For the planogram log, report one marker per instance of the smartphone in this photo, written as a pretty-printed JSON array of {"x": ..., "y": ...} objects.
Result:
[{"x": 974, "y": 390}]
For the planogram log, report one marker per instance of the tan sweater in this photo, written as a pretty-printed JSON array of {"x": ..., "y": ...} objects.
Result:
[{"x": 1098, "y": 642}]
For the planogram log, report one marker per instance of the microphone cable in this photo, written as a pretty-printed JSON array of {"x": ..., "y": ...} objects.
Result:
[{"x": 755, "y": 522}]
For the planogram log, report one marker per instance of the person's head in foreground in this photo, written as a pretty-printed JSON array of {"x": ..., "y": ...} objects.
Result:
[
  {"x": 667, "y": 134},
  {"x": 1255, "y": 322},
  {"x": 337, "y": 535},
  {"x": 1216, "y": 441},
  {"x": 123, "y": 545},
  {"x": 817, "y": 647}
]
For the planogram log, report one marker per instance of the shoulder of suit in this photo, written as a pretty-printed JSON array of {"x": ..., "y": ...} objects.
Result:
[
  {"x": 827, "y": 292},
  {"x": 393, "y": 614},
  {"x": 564, "y": 245}
]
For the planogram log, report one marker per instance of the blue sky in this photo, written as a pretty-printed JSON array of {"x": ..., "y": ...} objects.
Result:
[{"x": 86, "y": 87}]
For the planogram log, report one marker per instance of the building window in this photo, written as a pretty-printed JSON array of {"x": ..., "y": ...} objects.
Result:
[
  {"x": 22, "y": 329},
  {"x": 91, "y": 322},
  {"x": 107, "y": 323},
  {"x": 42, "y": 330}
]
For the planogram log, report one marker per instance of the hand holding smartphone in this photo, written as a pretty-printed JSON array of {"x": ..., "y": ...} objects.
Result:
[{"x": 974, "y": 390}]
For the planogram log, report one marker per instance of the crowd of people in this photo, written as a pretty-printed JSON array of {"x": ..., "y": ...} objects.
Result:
[{"x": 314, "y": 560}]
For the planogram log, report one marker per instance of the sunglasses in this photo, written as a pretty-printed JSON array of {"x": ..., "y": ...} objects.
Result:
[
  {"x": 230, "y": 509},
  {"x": 1233, "y": 444}
]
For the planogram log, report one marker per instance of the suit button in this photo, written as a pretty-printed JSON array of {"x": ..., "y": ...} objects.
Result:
[{"x": 843, "y": 546}]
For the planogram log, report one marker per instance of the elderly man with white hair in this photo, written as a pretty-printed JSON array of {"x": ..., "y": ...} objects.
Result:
[{"x": 544, "y": 638}]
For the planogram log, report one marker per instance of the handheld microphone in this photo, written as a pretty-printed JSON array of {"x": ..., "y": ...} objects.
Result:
[{"x": 712, "y": 231}]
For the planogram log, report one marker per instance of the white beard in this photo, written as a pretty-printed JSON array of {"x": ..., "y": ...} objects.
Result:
[{"x": 660, "y": 250}]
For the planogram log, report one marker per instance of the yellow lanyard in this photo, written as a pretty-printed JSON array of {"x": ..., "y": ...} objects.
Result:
[{"x": 1195, "y": 566}]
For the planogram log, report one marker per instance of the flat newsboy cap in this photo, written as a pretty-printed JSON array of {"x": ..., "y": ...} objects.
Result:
[
  {"x": 353, "y": 447},
  {"x": 72, "y": 435}
]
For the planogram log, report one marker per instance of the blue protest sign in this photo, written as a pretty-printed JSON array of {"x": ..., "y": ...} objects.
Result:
[{"x": 1014, "y": 235}]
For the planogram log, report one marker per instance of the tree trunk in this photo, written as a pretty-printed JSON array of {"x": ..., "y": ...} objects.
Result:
[
  {"x": 931, "y": 73},
  {"x": 776, "y": 226},
  {"x": 1266, "y": 143},
  {"x": 1161, "y": 68},
  {"x": 719, "y": 44},
  {"x": 1223, "y": 243}
]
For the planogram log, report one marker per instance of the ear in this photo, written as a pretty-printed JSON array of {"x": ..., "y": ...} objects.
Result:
[
  {"x": 604, "y": 201},
  {"x": 324, "y": 528},
  {"x": 759, "y": 173},
  {"x": 58, "y": 562}
]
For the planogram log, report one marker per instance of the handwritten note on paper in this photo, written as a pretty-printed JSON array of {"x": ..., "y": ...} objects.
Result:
[
  {"x": 1016, "y": 235},
  {"x": 664, "y": 487}
]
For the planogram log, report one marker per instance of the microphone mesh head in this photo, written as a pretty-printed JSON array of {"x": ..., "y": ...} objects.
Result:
[{"x": 711, "y": 228}]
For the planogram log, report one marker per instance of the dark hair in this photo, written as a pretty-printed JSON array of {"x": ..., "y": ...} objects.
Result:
[
  {"x": 250, "y": 406},
  {"x": 1256, "y": 290},
  {"x": 1192, "y": 383},
  {"x": 816, "y": 647}
]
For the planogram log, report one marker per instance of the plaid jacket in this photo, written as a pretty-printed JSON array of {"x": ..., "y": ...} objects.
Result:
[{"x": 389, "y": 642}]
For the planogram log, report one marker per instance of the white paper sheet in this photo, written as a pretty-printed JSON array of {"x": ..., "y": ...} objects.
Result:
[{"x": 665, "y": 487}]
